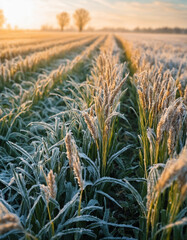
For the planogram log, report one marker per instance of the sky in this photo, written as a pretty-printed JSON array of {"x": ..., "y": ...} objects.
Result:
[{"x": 31, "y": 14}]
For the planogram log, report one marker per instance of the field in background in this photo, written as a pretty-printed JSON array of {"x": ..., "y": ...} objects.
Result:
[
  {"x": 93, "y": 136},
  {"x": 28, "y": 35},
  {"x": 181, "y": 39}
]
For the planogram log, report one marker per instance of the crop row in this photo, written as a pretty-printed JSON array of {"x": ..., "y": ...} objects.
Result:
[
  {"x": 9, "y": 53},
  {"x": 162, "y": 113},
  {"x": 90, "y": 153},
  {"x": 14, "y": 70},
  {"x": 41, "y": 87},
  {"x": 24, "y": 38},
  {"x": 60, "y": 195}
]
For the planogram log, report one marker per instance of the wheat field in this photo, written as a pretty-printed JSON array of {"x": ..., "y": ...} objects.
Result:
[{"x": 93, "y": 136}]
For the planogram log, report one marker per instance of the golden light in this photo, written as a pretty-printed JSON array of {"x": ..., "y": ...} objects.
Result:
[{"x": 18, "y": 12}]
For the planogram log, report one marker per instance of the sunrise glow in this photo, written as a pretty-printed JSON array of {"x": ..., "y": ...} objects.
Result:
[
  {"x": 18, "y": 12},
  {"x": 31, "y": 14}
]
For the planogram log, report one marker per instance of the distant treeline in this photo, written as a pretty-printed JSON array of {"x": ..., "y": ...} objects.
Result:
[{"x": 148, "y": 30}]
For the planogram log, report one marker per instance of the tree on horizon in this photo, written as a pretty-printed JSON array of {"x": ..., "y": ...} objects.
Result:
[
  {"x": 81, "y": 17},
  {"x": 63, "y": 19},
  {"x": 2, "y": 18}
]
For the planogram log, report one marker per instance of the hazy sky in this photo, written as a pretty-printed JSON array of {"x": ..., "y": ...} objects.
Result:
[{"x": 104, "y": 13}]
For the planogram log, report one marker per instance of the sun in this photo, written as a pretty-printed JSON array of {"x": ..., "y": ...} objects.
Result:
[{"x": 18, "y": 12}]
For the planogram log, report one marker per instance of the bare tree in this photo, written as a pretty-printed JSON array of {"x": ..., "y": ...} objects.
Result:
[
  {"x": 63, "y": 19},
  {"x": 2, "y": 18},
  {"x": 81, "y": 17}
]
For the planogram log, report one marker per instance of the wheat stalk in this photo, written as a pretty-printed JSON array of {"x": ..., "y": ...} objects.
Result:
[
  {"x": 69, "y": 149},
  {"x": 76, "y": 165},
  {"x": 93, "y": 130},
  {"x": 175, "y": 169},
  {"x": 8, "y": 221},
  {"x": 50, "y": 190}
]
